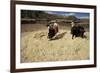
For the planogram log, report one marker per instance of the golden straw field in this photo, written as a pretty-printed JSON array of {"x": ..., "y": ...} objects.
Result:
[{"x": 36, "y": 47}]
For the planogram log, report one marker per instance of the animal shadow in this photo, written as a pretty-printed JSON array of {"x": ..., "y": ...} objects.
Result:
[{"x": 59, "y": 36}]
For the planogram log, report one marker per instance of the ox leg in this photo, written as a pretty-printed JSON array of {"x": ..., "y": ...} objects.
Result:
[
  {"x": 72, "y": 36},
  {"x": 83, "y": 35}
]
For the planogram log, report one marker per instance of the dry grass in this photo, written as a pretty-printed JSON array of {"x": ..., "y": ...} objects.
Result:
[{"x": 35, "y": 47}]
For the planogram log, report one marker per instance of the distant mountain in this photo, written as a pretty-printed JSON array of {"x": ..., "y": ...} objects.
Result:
[
  {"x": 37, "y": 15},
  {"x": 71, "y": 17},
  {"x": 42, "y": 15}
]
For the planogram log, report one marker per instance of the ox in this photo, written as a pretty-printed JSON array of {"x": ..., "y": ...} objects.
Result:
[
  {"x": 77, "y": 30},
  {"x": 52, "y": 30}
]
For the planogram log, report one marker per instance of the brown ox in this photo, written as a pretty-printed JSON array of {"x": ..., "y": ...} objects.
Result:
[{"x": 53, "y": 30}]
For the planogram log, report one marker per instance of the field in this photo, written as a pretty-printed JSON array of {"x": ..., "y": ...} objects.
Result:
[{"x": 36, "y": 47}]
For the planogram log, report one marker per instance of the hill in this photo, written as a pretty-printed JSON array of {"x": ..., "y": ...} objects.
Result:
[{"x": 41, "y": 17}]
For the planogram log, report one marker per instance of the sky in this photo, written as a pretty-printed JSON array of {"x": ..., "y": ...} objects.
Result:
[{"x": 77, "y": 14}]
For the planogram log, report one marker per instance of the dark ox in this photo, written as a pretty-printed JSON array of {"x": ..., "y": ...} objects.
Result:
[{"x": 77, "y": 31}]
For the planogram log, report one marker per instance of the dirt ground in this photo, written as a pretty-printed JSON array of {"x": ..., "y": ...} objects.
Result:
[{"x": 36, "y": 47}]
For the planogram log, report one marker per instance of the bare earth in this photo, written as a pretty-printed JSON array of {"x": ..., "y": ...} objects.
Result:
[{"x": 36, "y": 47}]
